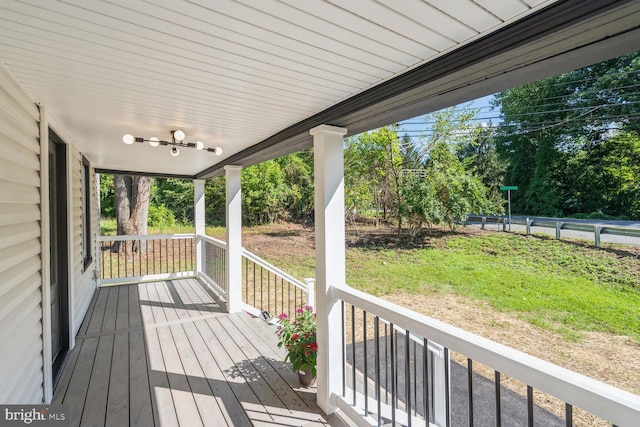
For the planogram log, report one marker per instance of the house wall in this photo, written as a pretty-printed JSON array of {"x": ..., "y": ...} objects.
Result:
[
  {"x": 24, "y": 378},
  {"x": 83, "y": 282},
  {"x": 21, "y": 370}
]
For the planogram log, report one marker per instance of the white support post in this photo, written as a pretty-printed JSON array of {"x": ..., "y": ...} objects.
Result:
[
  {"x": 234, "y": 238},
  {"x": 311, "y": 292},
  {"x": 199, "y": 222},
  {"x": 330, "y": 258}
]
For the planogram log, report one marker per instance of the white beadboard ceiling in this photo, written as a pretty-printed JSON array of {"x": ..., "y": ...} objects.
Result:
[{"x": 231, "y": 73}]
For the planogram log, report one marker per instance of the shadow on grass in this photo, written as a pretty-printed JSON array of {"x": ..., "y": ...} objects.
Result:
[{"x": 387, "y": 238}]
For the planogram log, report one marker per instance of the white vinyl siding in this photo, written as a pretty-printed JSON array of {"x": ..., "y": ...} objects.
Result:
[
  {"x": 83, "y": 280},
  {"x": 21, "y": 371}
]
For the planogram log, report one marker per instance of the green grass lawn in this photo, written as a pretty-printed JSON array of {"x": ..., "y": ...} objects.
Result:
[
  {"x": 108, "y": 228},
  {"x": 557, "y": 285},
  {"x": 553, "y": 284}
]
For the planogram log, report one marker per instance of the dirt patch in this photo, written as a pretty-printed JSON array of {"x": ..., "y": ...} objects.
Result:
[{"x": 280, "y": 240}]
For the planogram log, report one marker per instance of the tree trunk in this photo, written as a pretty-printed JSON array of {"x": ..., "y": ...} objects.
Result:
[
  {"x": 131, "y": 196},
  {"x": 122, "y": 200},
  {"x": 140, "y": 212}
]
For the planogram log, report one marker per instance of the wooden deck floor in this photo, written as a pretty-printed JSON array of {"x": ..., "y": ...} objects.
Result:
[{"x": 164, "y": 354}]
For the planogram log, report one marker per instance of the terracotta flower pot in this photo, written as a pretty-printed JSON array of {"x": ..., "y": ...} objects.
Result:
[{"x": 305, "y": 377}]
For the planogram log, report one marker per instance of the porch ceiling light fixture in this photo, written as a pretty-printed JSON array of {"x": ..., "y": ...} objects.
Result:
[{"x": 177, "y": 142}]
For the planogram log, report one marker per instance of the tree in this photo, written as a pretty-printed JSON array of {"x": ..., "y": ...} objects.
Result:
[
  {"x": 215, "y": 193},
  {"x": 552, "y": 124},
  {"x": 176, "y": 195},
  {"x": 608, "y": 177},
  {"x": 107, "y": 205},
  {"x": 448, "y": 190},
  {"x": 419, "y": 204},
  {"x": 481, "y": 159},
  {"x": 264, "y": 193},
  {"x": 457, "y": 191},
  {"x": 373, "y": 166},
  {"x": 131, "y": 196},
  {"x": 453, "y": 126},
  {"x": 298, "y": 175}
]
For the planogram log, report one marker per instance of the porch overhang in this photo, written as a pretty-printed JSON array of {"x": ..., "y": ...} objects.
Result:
[
  {"x": 563, "y": 37},
  {"x": 254, "y": 77}
]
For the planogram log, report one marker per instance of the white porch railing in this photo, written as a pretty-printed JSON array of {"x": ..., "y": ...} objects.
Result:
[
  {"x": 266, "y": 290},
  {"x": 397, "y": 374},
  {"x": 129, "y": 259},
  {"x": 271, "y": 290},
  {"x": 214, "y": 264}
]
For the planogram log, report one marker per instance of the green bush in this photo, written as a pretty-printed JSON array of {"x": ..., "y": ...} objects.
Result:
[{"x": 160, "y": 216}]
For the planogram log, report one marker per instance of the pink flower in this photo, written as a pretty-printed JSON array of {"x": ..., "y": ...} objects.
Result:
[
  {"x": 308, "y": 308},
  {"x": 294, "y": 337},
  {"x": 299, "y": 310},
  {"x": 282, "y": 316}
]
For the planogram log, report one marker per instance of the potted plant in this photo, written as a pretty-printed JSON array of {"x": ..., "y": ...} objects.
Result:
[{"x": 298, "y": 337}]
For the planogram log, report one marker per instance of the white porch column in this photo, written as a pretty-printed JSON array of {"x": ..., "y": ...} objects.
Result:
[
  {"x": 199, "y": 221},
  {"x": 234, "y": 238},
  {"x": 330, "y": 257}
]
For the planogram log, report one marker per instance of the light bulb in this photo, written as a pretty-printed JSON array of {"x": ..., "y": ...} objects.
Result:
[
  {"x": 154, "y": 142},
  {"x": 217, "y": 151},
  {"x": 128, "y": 139},
  {"x": 199, "y": 145},
  {"x": 175, "y": 152},
  {"x": 179, "y": 135}
]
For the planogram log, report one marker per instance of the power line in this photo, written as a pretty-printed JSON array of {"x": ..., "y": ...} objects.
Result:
[{"x": 579, "y": 96}]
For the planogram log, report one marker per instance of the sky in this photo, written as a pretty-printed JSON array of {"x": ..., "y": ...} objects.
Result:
[{"x": 485, "y": 114}]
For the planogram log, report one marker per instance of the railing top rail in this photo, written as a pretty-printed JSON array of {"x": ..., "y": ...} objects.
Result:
[
  {"x": 275, "y": 270},
  {"x": 216, "y": 242},
  {"x": 603, "y": 400},
  {"x": 120, "y": 237}
]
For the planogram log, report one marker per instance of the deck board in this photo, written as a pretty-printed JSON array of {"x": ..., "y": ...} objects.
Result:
[
  {"x": 140, "y": 401},
  {"x": 163, "y": 353},
  {"x": 97, "y": 316},
  {"x": 240, "y": 388},
  {"x": 75, "y": 397},
  {"x": 267, "y": 343},
  {"x": 135, "y": 314},
  {"x": 230, "y": 407},
  {"x": 95, "y": 407},
  {"x": 118, "y": 397},
  {"x": 122, "y": 313}
]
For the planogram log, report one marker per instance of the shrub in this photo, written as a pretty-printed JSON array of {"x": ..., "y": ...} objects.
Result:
[{"x": 160, "y": 216}]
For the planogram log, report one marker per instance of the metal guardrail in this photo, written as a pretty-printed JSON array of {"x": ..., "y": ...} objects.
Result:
[{"x": 558, "y": 226}]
